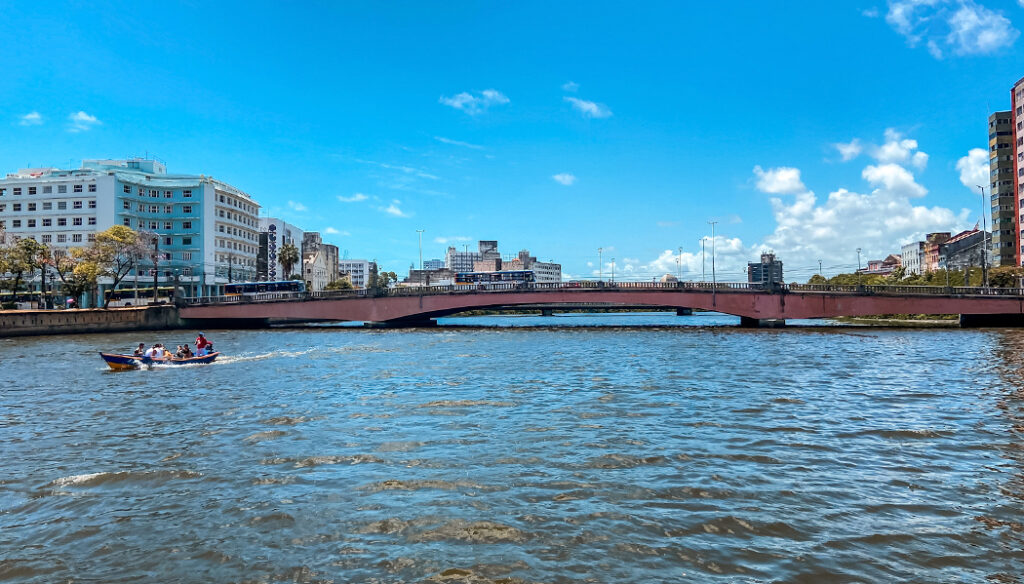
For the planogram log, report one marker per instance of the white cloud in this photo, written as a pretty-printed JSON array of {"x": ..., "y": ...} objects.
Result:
[
  {"x": 782, "y": 180},
  {"x": 475, "y": 104},
  {"x": 444, "y": 140},
  {"x": 394, "y": 210},
  {"x": 31, "y": 119},
  {"x": 333, "y": 231},
  {"x": 565, "y": 178},
  {"x": 81, "y": 122},
  {"x": 353, "y": 199},
  {"x": 451, "y": 239},
  {"x": 899, "y": 150},
  {"x": 573, "y": 87},
  {"x": 296, "y": 206},
  {"x": 850, "y": 150},
  {"x": 974, "y": 168},
  {"x": 589, "y": 109},
  {"x": 873, "y": 12},
  {"x": 963, "y": 27}
]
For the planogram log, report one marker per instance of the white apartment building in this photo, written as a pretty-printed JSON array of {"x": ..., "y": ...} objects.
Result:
[
  {"x": 275, "y": 234},
  {"x": 206, "y": 229},
  {"x": 912, "y": 256},
  {"x": 358, "y": 272}
]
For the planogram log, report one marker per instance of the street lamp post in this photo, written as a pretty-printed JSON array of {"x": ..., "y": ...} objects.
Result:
[
  {"x": 156, "y": 265},
  {"x": 819, "y": 268},
  {"x": 702, "y": 262},
  {"x": 613, "y": 269},
  {"x": 714, "y": 279},
  {"x": 679, "y": 264},
  {"x": 984, "y": 241},
  {"x": 858, "y": 260},
  {"x": 420, "y": 233},
  {"x": 600, "y": 264}
]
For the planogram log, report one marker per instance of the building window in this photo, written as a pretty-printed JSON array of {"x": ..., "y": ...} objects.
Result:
[
  {"x": 47, "y": 190},
  {"x": 46, "y": 206},
  {"x": 76, "y": 221},
  {"x": 47, "y": 237},
  {"x": 3, "y": 191},
  {"x": 92, "y": 188},
  {"x": 31, "y": 223},
  {"x": 62, "y": 188},
  {"x": 62, "y": 238},
  {"x": 167, "y": 241},
  {"x": 142, "y": 192},
  {"x": 92, "y": 204},
  {"x": 16, "y": 223},
  {"x": 62, "y": 222},
  {"x": 168, "y": 209},
  {"x": 168, "y": 194},
  {"x": 76, "y": 238},
  {"x": 187, "y": 209},
  {"x": 186, "y": 225},
  {"x": 77, "y": 204},
  {"x": 91, "y": 238},
  {"x": 47, "y": 222},
  {"x": 3, "y": 208},
  {"x": 221, "y": 228},
  {"x": 168, "y": 225},
  {"x": 142, "y": 208},
  {"x": 127, "y": 205},
  {"x": 31, "y": 206},
  {"x": 78, "y": 188},
  {"x": 92, "y": 221},
  {"x": 186, "y": 241},
  {"x": 154, "y": 209},
  {"x": 152, "y": 225},
  {"x": 187, "y": 256},
  {"x": 31, "y": 190},
  {"x": 17, "y": 190},
  {"x": 16, "y": 207},
  {"x": 62, "y": 204},
  {"x": 127, "y": 189},
  {"x": 127, "y": 222},
  {"x": 187, "y": 193}
]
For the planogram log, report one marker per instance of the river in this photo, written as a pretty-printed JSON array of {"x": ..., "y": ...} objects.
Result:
[{"x": 519, "y": 449}]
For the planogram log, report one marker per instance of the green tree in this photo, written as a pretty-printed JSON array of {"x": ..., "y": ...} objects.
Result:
[
  {"x": 114, "y": 254},
  {"x": 384, "y": 279},
  {"x": 340, "y": 284},
  {"x": 76, "y": 274},
  {"x": 817, "y": 279},
  {"x": 23, "y": 258},
  {"x": 288, "y": 255}
]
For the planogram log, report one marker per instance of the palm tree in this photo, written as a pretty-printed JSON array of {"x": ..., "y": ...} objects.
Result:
[{"x": 288, "y": 255}]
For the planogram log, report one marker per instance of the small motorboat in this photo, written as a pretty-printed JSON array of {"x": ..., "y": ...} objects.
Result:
[{"x": 123, "y": 362}]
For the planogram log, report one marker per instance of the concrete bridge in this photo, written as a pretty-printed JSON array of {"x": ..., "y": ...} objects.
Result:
[{"x": 754, "y": 304}]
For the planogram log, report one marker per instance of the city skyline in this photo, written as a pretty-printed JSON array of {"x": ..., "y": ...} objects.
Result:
[{"x": 561, "y": 134}]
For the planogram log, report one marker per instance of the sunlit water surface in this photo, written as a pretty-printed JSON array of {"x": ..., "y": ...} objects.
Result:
[{"x": 519, "y": 454}]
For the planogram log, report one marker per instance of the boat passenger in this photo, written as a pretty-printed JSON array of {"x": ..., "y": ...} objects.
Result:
[
  {"x": 140, "y": 351},
  {"x": 202, "y": 345},
  {"x": 186, "y": 352},
  {"x": 153, "y": 352}
]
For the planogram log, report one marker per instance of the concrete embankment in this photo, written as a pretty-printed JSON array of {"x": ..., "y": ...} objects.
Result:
[{"x": 14, "y": 323}]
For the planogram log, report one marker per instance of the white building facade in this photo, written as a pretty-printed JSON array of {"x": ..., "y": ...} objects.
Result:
[
  {"x": 275, "y": 234},
  {"x": 912, "y": 256},
  {"x": 206, "y": 230},
  {"x": 358, "y": 272}
]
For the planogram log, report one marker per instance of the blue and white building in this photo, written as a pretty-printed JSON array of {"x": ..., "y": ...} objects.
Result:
[{"x": 207, "y": 230}]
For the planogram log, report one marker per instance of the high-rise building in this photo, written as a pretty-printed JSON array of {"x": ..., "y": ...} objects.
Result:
[
  {"x": 1003, "y": 198},
  {"x": 912, "y": 257},
  {"x": 206, "y": 230},
  {"x": 275, "y": 234},
  {"x": 1017, "y": 126},
  {"x": 358, "y": 272},
  {"x": 768, "y": 271}
]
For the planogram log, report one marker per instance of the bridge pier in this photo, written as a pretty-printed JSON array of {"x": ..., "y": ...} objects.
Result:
[
  {"x": 684, "y": 312},
  {"x": 547, "y": 312},
  {"x": 991, "y": 320},
  {"x": 748, "y": 322},
  {"x": 402, "y": 323}
]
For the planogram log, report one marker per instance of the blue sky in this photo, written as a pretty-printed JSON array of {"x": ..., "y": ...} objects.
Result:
[{"x": 560, "y": 127}]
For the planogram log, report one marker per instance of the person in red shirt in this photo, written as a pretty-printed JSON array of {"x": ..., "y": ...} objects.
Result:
[{"x": 201, "y": 345}]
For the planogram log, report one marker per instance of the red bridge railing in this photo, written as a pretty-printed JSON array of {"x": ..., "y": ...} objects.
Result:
[{"x": 591, "y": 286}]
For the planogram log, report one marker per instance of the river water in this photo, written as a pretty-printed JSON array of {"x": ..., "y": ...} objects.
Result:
[{"x": 508, "y": 452}]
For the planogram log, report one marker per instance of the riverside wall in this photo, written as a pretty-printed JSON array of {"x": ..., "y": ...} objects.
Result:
[{"x": 15, "y": 323}]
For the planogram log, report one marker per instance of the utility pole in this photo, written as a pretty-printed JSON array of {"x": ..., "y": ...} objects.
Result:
[
  {"x": 420, "y": 233},
  {"x": 613, "y": 269},
  {"x": 156, "y": 264},
  {"x": 714, "y": 279},
  {"x": 600, "y": 264},
  {"x": 984, "y": 241},
  {"x": 703, "y": 269},
  {"x": 819, "y": 268},
  {"x": 135, "y": 262},
  {"x": 679, "y": 264}
]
